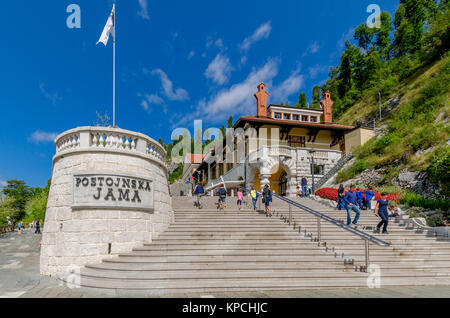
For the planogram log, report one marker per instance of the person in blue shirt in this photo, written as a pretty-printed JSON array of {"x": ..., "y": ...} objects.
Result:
[
  {"x": 198, "y": 191},
  {"x": 351, "y": 204},
  {"x": 382, "y": 210},
  {"x": 305, "y": 192},
  {"x": 341, "y": 194},
  {"x": 360, "y": 198},
  {"x": 222, "y": 197},
  {"x": 369, "y": 196}
]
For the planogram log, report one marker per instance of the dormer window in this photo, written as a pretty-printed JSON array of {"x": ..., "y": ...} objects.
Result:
[
  {"x": 277, "y": 115},
  {"x": 313, "y": 119},
  {"x": 296, "y": 117},
  {"x": 304, "y": 118},
  {"x": 287, "y": 116}
]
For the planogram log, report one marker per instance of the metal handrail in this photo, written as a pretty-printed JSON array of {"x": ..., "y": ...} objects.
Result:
[
  {"x": 363, "y": 235},
  {"x": 321, "y": 216}
]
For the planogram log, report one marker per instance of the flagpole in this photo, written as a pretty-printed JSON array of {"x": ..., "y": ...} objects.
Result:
[{"x": 114, "y": 70}]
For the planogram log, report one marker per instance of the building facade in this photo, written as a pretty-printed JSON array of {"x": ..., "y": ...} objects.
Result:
[{"x": 279, "y": 146}]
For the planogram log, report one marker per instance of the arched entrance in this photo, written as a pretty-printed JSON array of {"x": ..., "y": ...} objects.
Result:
[
  {"x": 283, "y": 183},
  {"x": 278, "y": 180}
]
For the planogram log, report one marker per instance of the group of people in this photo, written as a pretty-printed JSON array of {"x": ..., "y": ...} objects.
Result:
[
  {"x": 199, "y": 191},
  {"x": 35, "y": 224},
  {"x": 355, "y": 199},
  {"x": 363, "y": 198}
]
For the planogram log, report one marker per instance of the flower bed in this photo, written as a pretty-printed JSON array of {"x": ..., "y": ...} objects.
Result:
[{"x": 331, "y": 194}]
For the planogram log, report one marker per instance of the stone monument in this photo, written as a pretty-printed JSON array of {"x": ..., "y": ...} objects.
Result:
[{"x": 109, "y": 193}]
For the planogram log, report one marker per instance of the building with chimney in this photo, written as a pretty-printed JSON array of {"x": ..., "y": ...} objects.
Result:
[{"x": 280, "y": 145}]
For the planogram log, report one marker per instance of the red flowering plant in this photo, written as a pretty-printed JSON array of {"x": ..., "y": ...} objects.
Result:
[{"x": 331, "y": 194}]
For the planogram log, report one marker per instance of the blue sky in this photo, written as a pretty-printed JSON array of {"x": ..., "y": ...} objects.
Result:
[{"x": 176, "y": 61}]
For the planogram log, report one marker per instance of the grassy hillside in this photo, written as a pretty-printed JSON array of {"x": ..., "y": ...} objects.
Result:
[{"x": 416, "y": 132}]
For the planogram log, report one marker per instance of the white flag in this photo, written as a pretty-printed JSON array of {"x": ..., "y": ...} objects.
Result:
[{"x": 110, "y": 28}]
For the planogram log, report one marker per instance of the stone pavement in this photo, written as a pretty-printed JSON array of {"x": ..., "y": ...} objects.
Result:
[
  {"x": 19, "y": 277},
  {"x": 19, "y": 262}
]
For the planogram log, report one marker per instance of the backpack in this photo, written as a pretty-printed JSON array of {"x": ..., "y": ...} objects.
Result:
[{"x": 222, "y": 192}]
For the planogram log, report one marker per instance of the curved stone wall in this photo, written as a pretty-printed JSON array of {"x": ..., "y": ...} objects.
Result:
[{"x": 109, "y": 193}]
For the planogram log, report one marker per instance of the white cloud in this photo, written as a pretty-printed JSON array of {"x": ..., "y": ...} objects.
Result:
[
  {"x": 154, "y": 99},
  {"x": 238, "y": 99},
  {"x": 53, "y": 97},
  {"x": 143, "y": 12},
  {"x": 312, "y": 48},
  {"x": 262, "y": 32},
  {"x": 219, "y": 70},
  {"x": 346, "y": 36},
  {"x": 145, "y": 105},
  {"x": 3, "y": 184},
  {"x": 191, "y": 54},
  {"x": 316, "y": 70},
  {"x": 42, "y": 136},
  {"x": 178, "y": 94},
  {"x": 289, "y": 86}
]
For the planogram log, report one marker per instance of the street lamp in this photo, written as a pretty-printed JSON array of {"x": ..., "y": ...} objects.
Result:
[{"x": 312, "y": 170}]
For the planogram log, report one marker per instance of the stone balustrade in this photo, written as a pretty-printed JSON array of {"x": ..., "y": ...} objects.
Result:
[{"x": 110, "y": 140}]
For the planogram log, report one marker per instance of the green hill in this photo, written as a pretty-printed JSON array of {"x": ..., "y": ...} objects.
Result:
[{"x": 405, "y": 64}]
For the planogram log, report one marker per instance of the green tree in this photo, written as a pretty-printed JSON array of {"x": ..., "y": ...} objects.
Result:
[
  {"x": 230, "y": 122},
  {"x": 19, "y": 193},
  {"x": 316, "y": 97},
  {"x": 302, "y": 102},
  {"x": 37, "y": 205},
  {"x": 383, "y": 41},
  {"x": 364, "y": 36},
  {"x": 410, "y": 21}
]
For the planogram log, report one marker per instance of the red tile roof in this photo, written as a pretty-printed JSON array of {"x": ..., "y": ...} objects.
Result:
[
  {"x": 195, "y": 158},
  {"x": 294, "y": 123}
]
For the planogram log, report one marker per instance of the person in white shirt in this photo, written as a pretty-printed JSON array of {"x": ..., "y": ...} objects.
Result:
[{"x": 396, "y": 211}]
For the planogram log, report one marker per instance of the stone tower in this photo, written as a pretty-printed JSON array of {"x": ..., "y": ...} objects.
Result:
[
  {"x": 261, "y": 100},
  {"x": 327, "y": 106}
]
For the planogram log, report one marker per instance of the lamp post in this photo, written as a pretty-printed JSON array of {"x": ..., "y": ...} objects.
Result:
[{"x": 312, "y": 170}]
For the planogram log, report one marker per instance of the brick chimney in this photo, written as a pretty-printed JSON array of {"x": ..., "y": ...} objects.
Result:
[
  {"x": 261, "y": 100},
  {"x": 327, "y": 106}
]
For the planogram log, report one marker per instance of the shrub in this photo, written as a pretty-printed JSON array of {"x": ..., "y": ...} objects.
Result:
[
  {"x": 439, "y": 168},
  {"x": 436, "y": 219},
  {"x": 427, "y": 203}
]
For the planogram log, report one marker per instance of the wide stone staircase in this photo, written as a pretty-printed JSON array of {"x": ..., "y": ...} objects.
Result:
[{"x": 211, "y": 251}]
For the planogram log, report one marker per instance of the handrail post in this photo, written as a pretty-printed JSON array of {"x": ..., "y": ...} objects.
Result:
[
  {"x": 290, "y": 213},
  {"x": 318, "y": 230},
  {"x": 367, "y": 254}
]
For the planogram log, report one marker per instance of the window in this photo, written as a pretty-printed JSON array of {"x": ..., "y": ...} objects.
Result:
[
  {"x": 295, "y": 117},
  {"x": 313, "y": 119},
  {"x": 287, "y": 116},
  {"x": 304, "y": 118},
  {"x": 277, "y": 116},
  {"x": 297, "y": 141},
  {"x": 318, "y": 169}
]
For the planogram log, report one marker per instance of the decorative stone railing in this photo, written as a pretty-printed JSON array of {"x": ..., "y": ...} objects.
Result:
[
  {"x": 280, "y": 151},
  {"x": 320, "y": 154},
  {"x": 109, "y": 139}
]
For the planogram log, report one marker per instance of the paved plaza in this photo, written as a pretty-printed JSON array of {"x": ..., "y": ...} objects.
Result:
[{"x": 19, "y": 277}]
